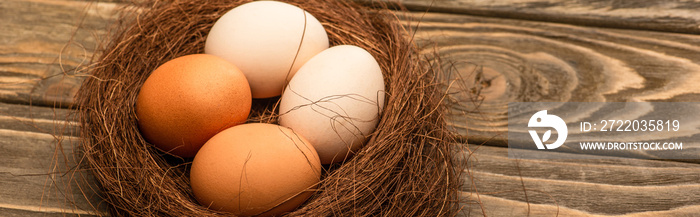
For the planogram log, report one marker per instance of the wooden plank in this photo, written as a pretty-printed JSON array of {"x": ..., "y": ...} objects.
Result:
[
  {"x": 23, "y": 212},
  {"x": 46, "y": 46},
  {"x": 578, "y": 187},
  {"x": 38, "y": 168},
  {"x": 628, "y": 172},
  {"x": 495, "y": 61},
  {"x": 38, "y": 119},
  {"x": 656, "y": 15},
  {"x": 495, "y": 206}
]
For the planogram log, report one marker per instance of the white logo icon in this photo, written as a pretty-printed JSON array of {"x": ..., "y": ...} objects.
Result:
[{"x": 542, "y": 119}]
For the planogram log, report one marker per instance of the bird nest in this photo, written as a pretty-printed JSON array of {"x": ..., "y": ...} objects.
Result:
[{"x": 407, "y": 168}]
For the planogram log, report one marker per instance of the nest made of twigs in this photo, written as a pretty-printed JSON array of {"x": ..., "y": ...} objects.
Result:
[{"x": 406, "y": 169}]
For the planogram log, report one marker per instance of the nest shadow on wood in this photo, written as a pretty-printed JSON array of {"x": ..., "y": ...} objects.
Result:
[{"x": 406, "y": 169}]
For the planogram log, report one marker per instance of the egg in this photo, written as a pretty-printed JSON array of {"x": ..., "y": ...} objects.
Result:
[
  {"x": 269, "y": 41},
  {"x": 255, "y": 169},
  {"x": 189, "y": 99},
  {"x": 335, "y": 101}
]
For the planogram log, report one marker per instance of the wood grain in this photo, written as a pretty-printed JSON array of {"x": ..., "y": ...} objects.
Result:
[
  {"x": 38, "y": 168},
  {"x": 496, "y": 61},
  {"x": 656, "y": 15},
  {"x": 495, "y": 206},
  {"x": 45, "y": 47},
  {"x": 578, "y": 187}
]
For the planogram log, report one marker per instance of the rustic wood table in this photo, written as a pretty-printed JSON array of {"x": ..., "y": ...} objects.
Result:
[{"x": 506, "y": 51}]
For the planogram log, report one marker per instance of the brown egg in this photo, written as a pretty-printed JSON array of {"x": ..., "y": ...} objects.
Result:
[
  {"x": 189, "y": 99},
  {"x": 255, "y": 169}
]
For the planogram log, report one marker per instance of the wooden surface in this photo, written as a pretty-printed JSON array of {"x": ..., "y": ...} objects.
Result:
[
  {"x": 37, "y": 168},
  {"x": 46, "y": 45},
  {"x": 667, "y": 16},
  {"x": 519, "y": 61}
]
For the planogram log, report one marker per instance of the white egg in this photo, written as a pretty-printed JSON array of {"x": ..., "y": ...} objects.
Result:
[
  {"x": 262, "y": 39},
  {"x": 335, "y": 101}
]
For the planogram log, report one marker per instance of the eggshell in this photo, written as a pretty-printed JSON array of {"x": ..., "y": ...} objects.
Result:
[
  {"x": 189, "y": 99},
  {"x": 335, "y": 101},
  {"x": 262, "y": 38},
  {"x": 253, "y": 169}
]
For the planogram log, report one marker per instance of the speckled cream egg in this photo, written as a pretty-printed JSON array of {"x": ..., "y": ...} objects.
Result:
[
  {"x": 189, "y": 99},
  {"x": 269, "y": 41},
  {"x": 255, "y": 170},
  {"x": 335, "y": 101}
]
